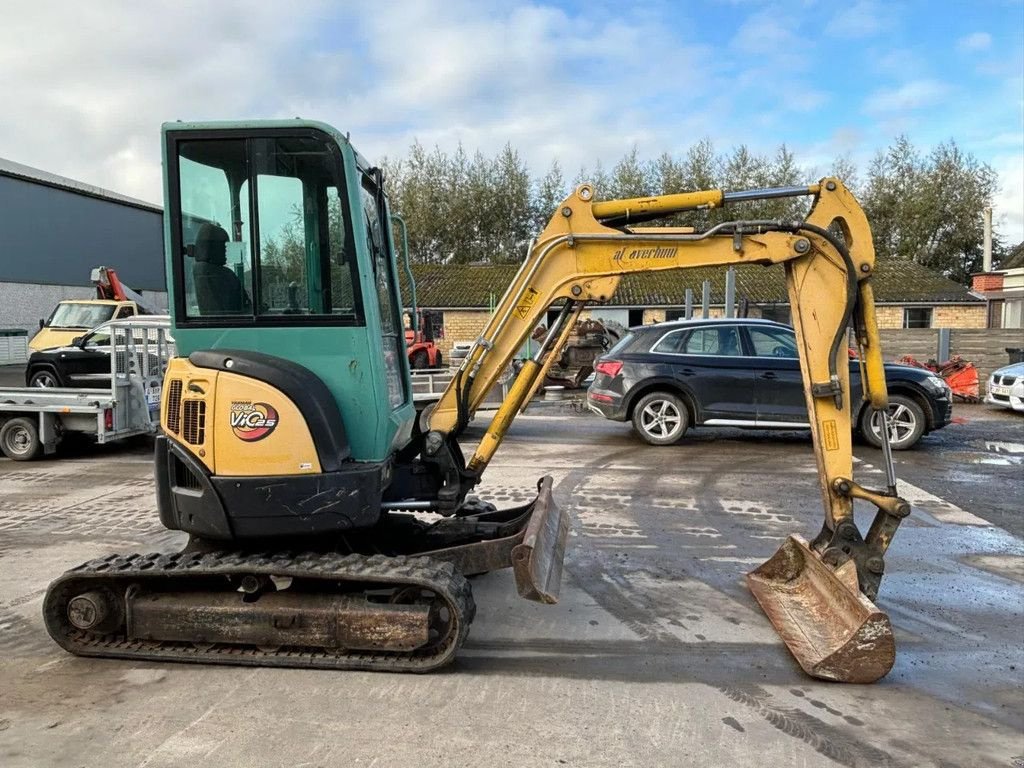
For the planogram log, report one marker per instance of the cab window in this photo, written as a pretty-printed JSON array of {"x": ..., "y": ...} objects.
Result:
[
  {"x": 672, "y": 343},
  {"x": 98, "y": 339},
  {"x": 385, "y": 285},
  {"x": 772, "y": 342},
  {"x": 717, "y": 340},
  {"x": 264, "y": 231}
]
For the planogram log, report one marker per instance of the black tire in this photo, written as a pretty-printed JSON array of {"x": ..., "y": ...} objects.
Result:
[
  {"x": 44, "y": 377},
  {"x": 19, "y": 439},
  {"x": 661, "y": 418},
  {"x": 906, "y": 424},
  {"x": 420, "y": 359}
]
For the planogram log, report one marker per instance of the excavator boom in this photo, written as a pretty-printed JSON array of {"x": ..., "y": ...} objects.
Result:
[{"x": 818, "y": 594}]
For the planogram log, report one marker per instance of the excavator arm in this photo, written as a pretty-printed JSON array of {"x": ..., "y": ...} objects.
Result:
[{"x": 818, "y": 594}]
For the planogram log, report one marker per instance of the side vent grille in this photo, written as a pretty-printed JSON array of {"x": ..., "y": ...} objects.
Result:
[
  {"x": 194, "y": 430},
  {"x": 184, "y": 477},
  {"x": 174, "y": 406}
]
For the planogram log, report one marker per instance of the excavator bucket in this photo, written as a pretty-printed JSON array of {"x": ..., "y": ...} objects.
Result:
[
  {"x": 537, "y": 560},
  {"x": 831, "y": 628}
]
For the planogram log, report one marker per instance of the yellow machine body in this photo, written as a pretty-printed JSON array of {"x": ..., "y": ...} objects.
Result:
[{"x": 235, "y": 425}]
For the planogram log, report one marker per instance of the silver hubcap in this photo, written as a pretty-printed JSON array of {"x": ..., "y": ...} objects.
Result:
[
  {"x": 902, "y": 424},
  {"x": 660, "y": 419},
  {"x": 44, "y": 380},
  {"x": 19, "y": 440}
]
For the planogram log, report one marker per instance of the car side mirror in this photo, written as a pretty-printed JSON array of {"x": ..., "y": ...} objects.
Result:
[
  {"x": 42, "y": 323},
  {"x": 77, "y": 341}
]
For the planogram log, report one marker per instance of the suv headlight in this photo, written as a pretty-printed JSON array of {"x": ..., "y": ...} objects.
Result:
[{"x": 937, "y": 383}]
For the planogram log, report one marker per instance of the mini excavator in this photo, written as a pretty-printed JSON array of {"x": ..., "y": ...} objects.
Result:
[{"x": 332, "y": 527}]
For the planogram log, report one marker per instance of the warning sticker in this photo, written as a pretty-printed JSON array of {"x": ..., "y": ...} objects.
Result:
[
  {"x": 831, "y": 435},
  {"x": 529, "y": 299}
]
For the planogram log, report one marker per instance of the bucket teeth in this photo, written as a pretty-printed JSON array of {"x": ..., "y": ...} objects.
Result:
[{"x": 833, "y": 630}]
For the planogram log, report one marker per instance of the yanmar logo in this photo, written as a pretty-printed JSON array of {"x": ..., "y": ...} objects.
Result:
[{"x": 252, "y": 421}]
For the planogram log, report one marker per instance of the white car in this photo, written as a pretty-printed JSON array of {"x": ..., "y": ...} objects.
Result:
[{"x": 1006, "y": 387}]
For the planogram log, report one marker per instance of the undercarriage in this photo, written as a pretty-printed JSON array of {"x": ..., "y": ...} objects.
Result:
[{"x": 342, "y": 605}]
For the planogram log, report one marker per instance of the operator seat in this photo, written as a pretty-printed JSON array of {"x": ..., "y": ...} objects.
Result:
[{"x": 218, "y": 289}]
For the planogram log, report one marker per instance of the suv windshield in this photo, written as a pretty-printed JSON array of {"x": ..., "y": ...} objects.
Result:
[{"x": 75, "y": 315}]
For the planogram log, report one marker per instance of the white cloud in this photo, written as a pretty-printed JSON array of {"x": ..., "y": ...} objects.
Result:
[
  {"x": 976, "y": 41},
  {"x": 86, "y": 85},
  {"x": 85, "y": 99},
  {"x": 1009, "y": 208},
  {"x": 910, "y": 96},
  {"x": 865, "y": 18}
]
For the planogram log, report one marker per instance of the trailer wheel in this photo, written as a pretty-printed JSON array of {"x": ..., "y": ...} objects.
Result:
[{"x": 19, "y": 439}]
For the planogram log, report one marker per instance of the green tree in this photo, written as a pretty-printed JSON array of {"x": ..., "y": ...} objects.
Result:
[
  {"x": 462, "y": 209},
  {"x": 513, "y": 208},
  {"x": 629, "y": 178},
  {"x": 550, "y": 191},
  {"x": 928, "y": 209}
]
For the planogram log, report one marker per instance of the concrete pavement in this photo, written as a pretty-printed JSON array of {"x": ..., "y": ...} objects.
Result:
[{"x": 656, "y": 654}]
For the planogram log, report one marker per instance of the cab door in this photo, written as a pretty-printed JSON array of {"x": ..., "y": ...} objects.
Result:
[
  {"x": 778, "y": 383},
  {"x": 708, "y": 361},
  {"x": 385, "y": 281},
  {"x": 88, "y": 365}
]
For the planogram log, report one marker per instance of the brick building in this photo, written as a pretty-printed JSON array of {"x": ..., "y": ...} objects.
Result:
[
  {"x": 1003, "y": 291},
  {"x": 908, "y": 296}
]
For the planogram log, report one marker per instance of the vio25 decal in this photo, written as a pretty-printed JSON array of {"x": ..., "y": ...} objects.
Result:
[{"x": 252, "y": 421}]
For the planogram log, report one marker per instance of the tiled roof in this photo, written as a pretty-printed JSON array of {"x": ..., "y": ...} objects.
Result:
[{"x": 474, "y": 285}]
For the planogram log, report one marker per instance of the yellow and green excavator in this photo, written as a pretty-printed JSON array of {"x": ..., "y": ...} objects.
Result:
[{"x": 330, "y": 526}]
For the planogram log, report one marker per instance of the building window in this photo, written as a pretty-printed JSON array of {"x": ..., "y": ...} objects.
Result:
[
  {"x": 1013, "y": 316},
  {"x": 777, "y": 312},
  {"x": 917, "y": 317}
]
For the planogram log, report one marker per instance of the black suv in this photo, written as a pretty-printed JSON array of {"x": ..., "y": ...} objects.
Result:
[
  {"x": 669, "y": 377},
  {"x": 85, "y": 362}
]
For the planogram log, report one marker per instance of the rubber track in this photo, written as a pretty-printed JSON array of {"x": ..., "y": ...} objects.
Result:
[{"x": 116, "y": 571}]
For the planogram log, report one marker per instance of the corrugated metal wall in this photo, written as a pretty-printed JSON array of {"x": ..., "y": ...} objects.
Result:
[
  {"x": 23, "y": 305},
  {"x": 52, "y": 236}
]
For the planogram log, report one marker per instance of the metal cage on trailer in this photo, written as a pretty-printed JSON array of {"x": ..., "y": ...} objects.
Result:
[{"x": 33, "y": 420}]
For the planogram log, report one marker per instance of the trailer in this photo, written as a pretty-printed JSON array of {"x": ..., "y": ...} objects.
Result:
[
  {"x": 34, "y": 420},
  {"x": 428, "y": 386}
]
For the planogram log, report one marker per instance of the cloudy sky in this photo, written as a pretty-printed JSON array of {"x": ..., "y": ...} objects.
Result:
[{"x": 85, "y": 85}]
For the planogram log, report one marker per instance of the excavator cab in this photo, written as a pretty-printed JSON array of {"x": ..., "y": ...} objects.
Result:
[{"x": 286, "y": 312}]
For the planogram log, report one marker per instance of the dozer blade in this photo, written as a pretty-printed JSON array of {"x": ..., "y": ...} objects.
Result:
[
  {"x": 831, "y": 628},
  {"x": 537, "y": 561}
]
